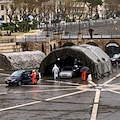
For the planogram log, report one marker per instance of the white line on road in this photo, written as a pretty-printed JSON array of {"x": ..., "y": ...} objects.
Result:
[
  {"x": 113, "y": 91},
  {"x": 31, "y": 103},
  {"x": 62, "y": 82},
  {"x": 17, "y": 106},
  {"x": 36, "y": 91},
  {"x": 48, "y": 86},
  {"x": 2, "y": 84},
  {"x": 95, "y": 106},
  {"x": 3, "y": 93},
  {"x": 92, "y": 83},
  {"x": 118, "y": 75},
  {"x": 61, "y": 96}
]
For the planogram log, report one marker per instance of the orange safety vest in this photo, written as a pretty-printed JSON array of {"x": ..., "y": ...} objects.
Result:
[
  {"x": 33, "y": 77},
  {"x": 83, "y": 75}
]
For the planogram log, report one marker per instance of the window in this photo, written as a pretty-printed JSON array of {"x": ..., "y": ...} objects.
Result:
[
  {"x": 2, "y": 17},
  {"x": 2, "y": 7}
]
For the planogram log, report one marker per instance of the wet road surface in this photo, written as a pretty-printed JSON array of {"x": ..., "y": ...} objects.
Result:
[{"x": 65, "y": 99}]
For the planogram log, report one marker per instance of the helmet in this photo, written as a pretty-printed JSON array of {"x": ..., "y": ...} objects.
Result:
[{"x": 33, "y": 70}]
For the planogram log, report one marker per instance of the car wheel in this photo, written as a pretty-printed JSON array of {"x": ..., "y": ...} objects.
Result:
[
  {"x": 19, "y": 83},
  {"x": 9, "y": 84}
]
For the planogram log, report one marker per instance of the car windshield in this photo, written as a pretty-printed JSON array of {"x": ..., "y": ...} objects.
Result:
[
  {"x": 116, "y": 56},
  {"x": 17, "y": 73},
  {"x": 67, "y": 69}
]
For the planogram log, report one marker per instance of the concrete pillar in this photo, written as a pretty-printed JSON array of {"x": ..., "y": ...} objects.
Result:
[
  {"x": 47, "y": 45},
  {"x": 79, "y": 41},
  {"x": 63, "y": 32},
  {"x": 57, "y": 39}
]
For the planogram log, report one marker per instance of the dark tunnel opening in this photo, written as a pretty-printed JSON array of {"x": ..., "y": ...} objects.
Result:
[{"x": 60, "y": 62}]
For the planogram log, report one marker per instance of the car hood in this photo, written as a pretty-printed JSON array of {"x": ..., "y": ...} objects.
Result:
[
  {"x": 12, "y": 77},
  {"x": 66, "y": 72}
]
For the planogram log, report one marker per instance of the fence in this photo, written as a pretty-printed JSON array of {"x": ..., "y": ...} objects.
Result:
[{"x": 7, "y": 40}]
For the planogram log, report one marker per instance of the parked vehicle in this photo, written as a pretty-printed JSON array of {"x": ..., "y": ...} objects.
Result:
[
  {"x": 20, "y": 77},
  {"x": 115, "y": 59},
  {"x": 69, "y": 72}
]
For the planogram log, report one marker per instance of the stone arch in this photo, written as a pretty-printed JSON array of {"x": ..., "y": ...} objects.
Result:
[
  {"x": 92, "y": 43},
  {"x": 112, "y": 48},
  {"x": 54, "y": 46},
  {"x": 43, "y": 48},
  {"x": 50, "y": 47},
  {"x": 68, "y": 44}
]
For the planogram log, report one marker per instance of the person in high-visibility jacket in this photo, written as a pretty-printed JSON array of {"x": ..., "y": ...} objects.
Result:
[
  {"x": 33, "y": 76},
  {"x": 83, "y": 75}
]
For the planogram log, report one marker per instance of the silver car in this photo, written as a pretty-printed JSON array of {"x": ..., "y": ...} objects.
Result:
[{"x": 69, "y": 72}]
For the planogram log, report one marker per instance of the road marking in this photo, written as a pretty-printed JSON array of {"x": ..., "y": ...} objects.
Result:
[
  {"x": 118, "y": 75},
  {"x": 62, "y": 82},
  {"x": 17, "y": 106},
  {"x": 114, "y": 91},
  {"x": 95, "y": 106},
  {"x": 36, "y": 91},
  {"x": 36, "y": 102},
  {"x": 47, "y": 86},
  {"x": 2, "y": 84},
  {"x": 61, "y": 96},
  {"x": 3, "y": 93},
  {"x": 92, "y": 83}
]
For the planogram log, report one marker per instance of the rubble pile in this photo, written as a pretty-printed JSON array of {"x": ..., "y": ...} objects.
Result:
[{"x": 21, "y": 60}]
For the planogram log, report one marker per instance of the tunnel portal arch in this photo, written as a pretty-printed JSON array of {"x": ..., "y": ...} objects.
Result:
[
  {"x": 68, "y": 44},
  {"x": 86, "y": 55},
  {"x": 92, "y": 43},
  {"x": 112, "y": 48}
]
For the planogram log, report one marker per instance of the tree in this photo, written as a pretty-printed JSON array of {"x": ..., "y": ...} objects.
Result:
[
  {"x": 10, "y": 10},
  {"x": 92, "y": 6},
  {"x": 112, "y": 7}
]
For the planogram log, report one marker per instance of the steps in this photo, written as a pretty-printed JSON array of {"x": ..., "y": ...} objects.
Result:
[{"x": 9, "y": 47}]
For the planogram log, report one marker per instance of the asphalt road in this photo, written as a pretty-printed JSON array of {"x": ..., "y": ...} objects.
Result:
[{"x": 65, "y": 99}]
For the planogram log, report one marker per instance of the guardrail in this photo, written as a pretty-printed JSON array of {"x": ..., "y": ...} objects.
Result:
[
  {"x": 69, "y": 37},
  {"x": 101, "y": 36},
  {"x": 7, "y": 40}
]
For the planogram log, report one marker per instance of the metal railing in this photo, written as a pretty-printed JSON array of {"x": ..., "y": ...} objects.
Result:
[
  {"x": 7, "y": 40},
  {"x": 101, "y": 36}
]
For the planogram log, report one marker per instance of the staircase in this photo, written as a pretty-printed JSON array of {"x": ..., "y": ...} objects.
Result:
[{"x": 9, "y": 47}]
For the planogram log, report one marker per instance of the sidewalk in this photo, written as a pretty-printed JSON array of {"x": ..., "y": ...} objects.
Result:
[
  {"x": 18, "y": 36},
  {"x": 25, "y": 35}
]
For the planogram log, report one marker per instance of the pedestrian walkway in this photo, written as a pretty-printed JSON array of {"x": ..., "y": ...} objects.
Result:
[{"x": 21, "y": 38}]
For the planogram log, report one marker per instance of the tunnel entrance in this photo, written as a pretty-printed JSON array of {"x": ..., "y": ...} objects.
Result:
[
  {"x": 61, "y": 62},
  {"x": 112, "y": 48}
]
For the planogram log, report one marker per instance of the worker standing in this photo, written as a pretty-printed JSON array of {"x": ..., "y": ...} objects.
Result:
[
  {"x": 33, "y": 76},
  {"x": 84, "y": 70},
  {"x": 55, "y": 70},
  {"x": 83, "y": 75}
]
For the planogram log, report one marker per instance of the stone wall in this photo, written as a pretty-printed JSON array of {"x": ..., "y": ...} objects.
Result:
[{"x": 44, "y": 46}]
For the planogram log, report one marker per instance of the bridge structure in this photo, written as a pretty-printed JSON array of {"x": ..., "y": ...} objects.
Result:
[
  {"x": 106, "y": 36},
  {"x": 109, "y": 44}
]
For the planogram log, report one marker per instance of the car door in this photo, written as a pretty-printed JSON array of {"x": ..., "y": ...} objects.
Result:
[{"x": 26, "y": 77}]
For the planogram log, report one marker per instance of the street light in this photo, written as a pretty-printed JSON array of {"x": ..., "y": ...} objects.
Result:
[
  {"x": 47, "y": 29},
  {"x": 47, "y": 25},
  {"x": 58, "y": 15},
  {"x": 79, "y": 23}
]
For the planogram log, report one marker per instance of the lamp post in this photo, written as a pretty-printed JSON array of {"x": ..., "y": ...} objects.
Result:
[
  {"x": 58, "y": 20},
  {"x": 47, "y": 25},
  {"x": 47, "y": 28},
  {"x": 79, "y": 25}
]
